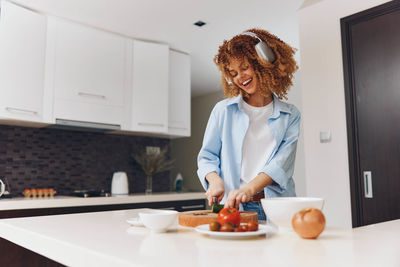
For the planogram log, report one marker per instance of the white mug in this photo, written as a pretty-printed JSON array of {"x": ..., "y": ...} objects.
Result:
[{"x": 2, "y": 188}]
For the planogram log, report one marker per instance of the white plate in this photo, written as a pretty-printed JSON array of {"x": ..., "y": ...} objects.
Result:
[
  {"x": 262, "y": 230},
  {"x": 135, "y": 222}
]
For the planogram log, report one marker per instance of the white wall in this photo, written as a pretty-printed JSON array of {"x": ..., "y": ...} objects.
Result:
[{"x": 326, "y": 164}]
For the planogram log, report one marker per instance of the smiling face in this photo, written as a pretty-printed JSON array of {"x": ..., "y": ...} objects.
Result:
[{"x": 243, "y": 75}]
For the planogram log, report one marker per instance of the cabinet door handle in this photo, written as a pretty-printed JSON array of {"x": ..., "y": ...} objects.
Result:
[
  {"x": 192, "y": 207},
  {"x": 367, "y": 184},
  {"x": 19, "y": 110},
  {"x": 91, "y": 95},
  {"x": 169, "y": 208},
  {"x": 179, "y": 128},
  {"x": 150, "y": 124}
]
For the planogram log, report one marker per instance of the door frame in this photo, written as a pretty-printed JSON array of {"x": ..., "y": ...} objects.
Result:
[{"x": 356, "y": 186}]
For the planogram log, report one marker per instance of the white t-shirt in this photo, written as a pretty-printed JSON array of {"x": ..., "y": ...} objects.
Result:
[{"x": 258, "y": 142}]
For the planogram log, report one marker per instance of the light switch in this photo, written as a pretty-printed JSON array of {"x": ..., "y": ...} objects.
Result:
[{"x": 325, "y": 137}]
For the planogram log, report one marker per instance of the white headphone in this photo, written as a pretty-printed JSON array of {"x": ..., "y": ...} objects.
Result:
[{"x": 262, "y": 49}]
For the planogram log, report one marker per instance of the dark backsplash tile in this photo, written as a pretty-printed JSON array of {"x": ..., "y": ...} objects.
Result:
[{"x": 70, "y": 160}]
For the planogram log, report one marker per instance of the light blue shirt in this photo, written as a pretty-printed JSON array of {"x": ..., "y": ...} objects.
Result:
[{"x": 221, "y": 151}]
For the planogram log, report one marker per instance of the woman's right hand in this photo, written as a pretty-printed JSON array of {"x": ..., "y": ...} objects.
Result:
[{"x": 216, "y": 188}]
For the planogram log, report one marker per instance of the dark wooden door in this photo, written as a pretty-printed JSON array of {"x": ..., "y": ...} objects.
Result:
[{"x": 371, "y": 49}]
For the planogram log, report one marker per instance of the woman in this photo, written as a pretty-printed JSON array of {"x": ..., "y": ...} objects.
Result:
[{"x": 249, "y": 145}]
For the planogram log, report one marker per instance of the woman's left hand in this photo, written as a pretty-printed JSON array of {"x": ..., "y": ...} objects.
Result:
[{"x": 235, "y": 197}]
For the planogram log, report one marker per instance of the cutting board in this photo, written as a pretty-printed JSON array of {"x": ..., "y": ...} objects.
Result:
[{"x": 199, "y": 217}]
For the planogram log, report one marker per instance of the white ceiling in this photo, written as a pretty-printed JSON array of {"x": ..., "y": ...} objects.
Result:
[{"x": 171, "y": 22}]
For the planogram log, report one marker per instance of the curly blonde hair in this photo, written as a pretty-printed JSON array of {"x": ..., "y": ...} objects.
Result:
[{"x": 274, "y": 77}]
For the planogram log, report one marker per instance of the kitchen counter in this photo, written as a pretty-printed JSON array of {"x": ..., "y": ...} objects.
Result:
[
  {"x": 68, "y": 201},
  {"x": 105, "y": 239}
]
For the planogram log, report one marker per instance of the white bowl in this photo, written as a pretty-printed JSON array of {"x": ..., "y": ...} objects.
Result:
[
  {"x": 158, "y": 220},
  {"x": 280, "y": 210}
]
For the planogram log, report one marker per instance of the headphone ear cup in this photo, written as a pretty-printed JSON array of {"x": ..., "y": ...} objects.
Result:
[
  {"x": 262, "y": 49},
  {"x": 265, "y": 52}
]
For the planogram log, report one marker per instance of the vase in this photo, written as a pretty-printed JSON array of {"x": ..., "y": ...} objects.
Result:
[{"x": 149, "y": 184}]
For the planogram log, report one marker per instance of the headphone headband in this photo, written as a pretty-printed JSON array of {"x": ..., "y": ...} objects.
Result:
[{"x": 252, "y": 34}]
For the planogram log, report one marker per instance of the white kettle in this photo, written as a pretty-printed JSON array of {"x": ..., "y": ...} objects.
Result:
[
  {"x": 2, "y": 188},
  {"x": 119, "y": 184}
]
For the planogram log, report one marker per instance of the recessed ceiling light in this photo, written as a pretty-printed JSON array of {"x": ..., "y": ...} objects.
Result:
[{"x": 199, "y": 23}]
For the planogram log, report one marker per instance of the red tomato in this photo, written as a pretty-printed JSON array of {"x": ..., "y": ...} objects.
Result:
[
  {"x": 253, "y": 226},
  {"x": 242, "y": 228},
  {"x": 214, "y": 226},
  {"x": 229, "y": 215},
  {"x": 226, "y": 227}
]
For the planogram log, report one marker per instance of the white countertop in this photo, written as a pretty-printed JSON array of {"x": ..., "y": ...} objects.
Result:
[
  {"x": 105, "y": 239},
  {"x": 68, "y": 201}
]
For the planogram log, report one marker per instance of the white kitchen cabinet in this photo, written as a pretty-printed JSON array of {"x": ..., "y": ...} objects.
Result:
[
  {"x": 150, "y": 87},
  {"x": 179, "y": 94},
  {"x": 22, "y": 59},
  {"x": 54, "y": 70},
  {"x": 86, "y": 70}
]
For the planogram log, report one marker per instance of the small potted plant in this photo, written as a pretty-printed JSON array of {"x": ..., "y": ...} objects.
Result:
[{"x": 153, "y": 163}]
